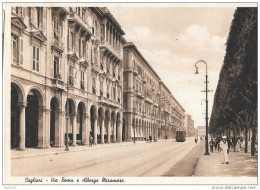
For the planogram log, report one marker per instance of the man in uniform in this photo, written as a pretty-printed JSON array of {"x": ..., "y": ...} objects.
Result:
[{"x": 224, "y": 148}]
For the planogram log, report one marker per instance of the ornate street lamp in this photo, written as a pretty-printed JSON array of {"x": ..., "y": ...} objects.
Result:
[
  {"x": 206, "y": 138},
  {"x": 70, "y": 81}
]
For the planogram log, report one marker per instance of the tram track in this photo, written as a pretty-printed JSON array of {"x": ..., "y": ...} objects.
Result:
[
  {"x": 146, "y": 165},
  {"x": 94, "y": 162}
]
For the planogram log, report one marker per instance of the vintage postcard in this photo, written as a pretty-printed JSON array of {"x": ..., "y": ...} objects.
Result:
[{"x": 130, "y": 93}]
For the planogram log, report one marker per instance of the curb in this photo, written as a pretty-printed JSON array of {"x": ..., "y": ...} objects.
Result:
[{"x": 77, "y": 150}]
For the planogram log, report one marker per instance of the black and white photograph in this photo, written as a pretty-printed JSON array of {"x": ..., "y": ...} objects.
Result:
[{"x": 130, "y": 93}]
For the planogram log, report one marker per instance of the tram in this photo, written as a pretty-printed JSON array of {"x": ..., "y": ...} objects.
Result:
[{"x": 180, "y": 136}]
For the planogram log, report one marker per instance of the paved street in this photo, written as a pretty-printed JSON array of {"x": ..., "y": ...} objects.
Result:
[
  {"x": 240, "y": 164},
  {"x": 128, "y": 159}
]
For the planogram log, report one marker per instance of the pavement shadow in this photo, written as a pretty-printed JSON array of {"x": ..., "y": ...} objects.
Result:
[{"x": 187, "y": 166}]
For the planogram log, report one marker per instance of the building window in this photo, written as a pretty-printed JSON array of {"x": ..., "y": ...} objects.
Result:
[
  {"x": 36, "y": 58},
  {"x": 15, "y": 50},
  {"x": 108, "y": 67},
  {"x": 101, "y": 88},
  {"x": 102, "y": 32},
  {"x": 57, "y": 28},
  {"x": 108, "y": 95},
  {"x": 71, "y": 75},
  {"x": 114, "y": 73},
  {"x": 93, "y": 85},
  {"x": 78, "y": 10},
  {"x": 84, "y": 49},
  {"x": 39, "y": 15},
  {"x": 79, "y": 48},
  {"x": 19, "y": 11},
  {"x": 71, "y": 41},
  {"x": 119, "y": 93},
  {"x": 56, "y": 67},
  {"x": 95, "y": 55},
  {"x": 82, "y": 80},
  {"x": 101, "y": 66},
  {"x": 84, "y": 15},
  {"x": 114, "y": 93}
]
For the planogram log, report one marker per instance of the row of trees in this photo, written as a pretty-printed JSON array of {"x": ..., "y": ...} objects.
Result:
[{"x": 235, "y": 101}]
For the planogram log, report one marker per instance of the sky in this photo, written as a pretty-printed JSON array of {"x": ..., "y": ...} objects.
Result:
[{"x": 172, "y": 40}]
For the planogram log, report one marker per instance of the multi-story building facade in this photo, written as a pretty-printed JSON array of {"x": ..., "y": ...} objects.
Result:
[
  {"x": 201, "y": 131},
  {"x": 50, "y": 45},
  {"x": 148, "y": 104},
  {"x": 67, "y": 81},
  {"x": 141, "y": 95},
  {"x": 177, "y": 116},
  {"x": 189, "y": 126}
]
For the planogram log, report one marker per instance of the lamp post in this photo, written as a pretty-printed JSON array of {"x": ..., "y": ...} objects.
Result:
[
  {"x": 206, "y": 138},
  {"x": 72, "y": 78}
]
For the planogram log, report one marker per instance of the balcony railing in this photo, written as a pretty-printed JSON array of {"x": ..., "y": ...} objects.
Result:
[
  {"x": 139, "y": 94},
  {"x": 111, "y": 48},
  {"x": 109, "y": 76},
  {"x": 95, "y": 67},
  {"x": 135, "y": 71},
  {"x": 58, "y": 44},
  {"x": 58, "y": 83},
  {"x": 109, "y": 102},
  {"x": 75, "y": 17},
  {"x": 148, "y": 99}
]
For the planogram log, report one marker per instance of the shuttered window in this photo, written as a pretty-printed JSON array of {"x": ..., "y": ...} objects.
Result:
[
  {"x": 36, "y": 58},
  {"x": 15, "y": 50},
  {"x": 82, "y": 80},
  {"x": 56, "y": 66}
]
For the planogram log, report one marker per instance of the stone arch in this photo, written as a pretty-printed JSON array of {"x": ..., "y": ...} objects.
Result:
[
  {"x": 72, "y": 105},
  {"x": 81, "y": 112},
  {"x": 113, "y": 124},
  {"x": 133, "y": 132},
  {"x": 107, "y": 132},
  {"x": 39, "y": 93},
  {"x": 93, "y": 117},
  {"x": 140, "y": 129},
  {"x": 17, "y": 98},
  {"x": 124, "y": 129},
  {"x": 19, "y": 89},
  {"x": 118, "y": 123},
  {"x": 100, "y": 119},
  {"x": 34, "y": 118},
  {"x": 54, "y": 121},
  {"x": 70, "y": 110}
]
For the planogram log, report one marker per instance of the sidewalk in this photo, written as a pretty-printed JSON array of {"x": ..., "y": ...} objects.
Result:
[
  {"x": 240, "y": 164},
  {"x": 32, "y": 152}
]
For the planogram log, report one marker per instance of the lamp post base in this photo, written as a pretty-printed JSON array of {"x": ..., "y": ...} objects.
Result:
[
  {"x": 67, "y": 149},
  {"x": 207, "y": 153}
]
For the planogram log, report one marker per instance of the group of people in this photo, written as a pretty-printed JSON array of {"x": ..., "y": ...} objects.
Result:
[
  {"x": 223, "y": 145},
  {"x": 234, "y": 142},
  {"x": 197, "y": 139}
]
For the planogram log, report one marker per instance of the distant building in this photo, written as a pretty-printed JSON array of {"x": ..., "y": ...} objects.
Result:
[
  {"x": 150, "y": 109},
  {"x": 189, "y": 126},
  {"x": 201, "y": 131}
]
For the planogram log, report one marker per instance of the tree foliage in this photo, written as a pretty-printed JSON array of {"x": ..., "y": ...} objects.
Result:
[{"x": 235, "y": 100}]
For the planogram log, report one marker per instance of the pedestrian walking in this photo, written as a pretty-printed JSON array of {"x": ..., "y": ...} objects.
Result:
[
  {"x": 196, "y": 140},
  {"x": 229, "y": 145},
  {"x": 90, "y": 141},
  {"x": 211, "y": 144},
  {"x": 238, "y": 145},
  {"x": 216, "y": 144},
  {"x": 219, "y": 144},
  {"x": 224, "y": 148}
]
